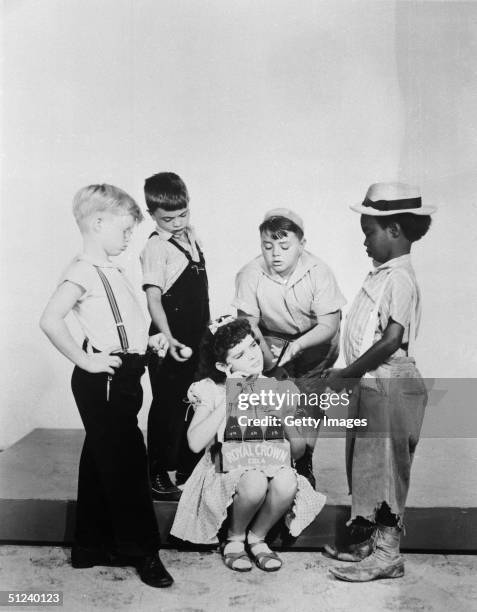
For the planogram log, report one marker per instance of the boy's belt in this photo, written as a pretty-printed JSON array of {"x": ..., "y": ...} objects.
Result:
[{"x": 129, "y": 360}]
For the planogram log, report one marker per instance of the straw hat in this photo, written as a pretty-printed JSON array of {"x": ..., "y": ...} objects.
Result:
[{"x": 392, "y": 198}]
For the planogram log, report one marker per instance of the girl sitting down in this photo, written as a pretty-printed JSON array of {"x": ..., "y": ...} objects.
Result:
[{"x": 249, "y": 500}]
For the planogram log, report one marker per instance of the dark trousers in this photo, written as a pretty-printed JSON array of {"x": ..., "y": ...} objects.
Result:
[
  {"x": 114, "y": 509},
  {"x": 169, "y": 417}
]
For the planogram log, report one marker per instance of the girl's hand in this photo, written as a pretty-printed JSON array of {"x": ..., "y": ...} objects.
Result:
[
  {"x": 235, "y": 373},
  {"x": 159, "y": 344},
  {"x": 102, "y": 362}
]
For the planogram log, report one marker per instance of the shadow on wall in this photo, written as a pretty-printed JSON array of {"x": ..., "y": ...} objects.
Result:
[{"x": 436, "y": 47}]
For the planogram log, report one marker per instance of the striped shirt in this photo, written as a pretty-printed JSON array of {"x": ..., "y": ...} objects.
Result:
[{"x": 400, "y": 293}]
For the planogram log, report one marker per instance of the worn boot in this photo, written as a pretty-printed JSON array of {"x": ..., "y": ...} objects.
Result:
[
  {"x": 304, "y": 466},
  {"x": 361, "y": 544},
  {"x": 384, "y": 562}
]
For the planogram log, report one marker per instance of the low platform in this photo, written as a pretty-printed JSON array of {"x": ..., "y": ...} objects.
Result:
[{"x": 38, "y": 478}]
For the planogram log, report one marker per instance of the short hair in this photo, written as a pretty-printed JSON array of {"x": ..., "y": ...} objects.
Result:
[
  {"x": 165, "y": 190},
  {"x": 279, "y": 227},
  {"x": 414, "y": 227},
  {"x": 98, "y": 198}
]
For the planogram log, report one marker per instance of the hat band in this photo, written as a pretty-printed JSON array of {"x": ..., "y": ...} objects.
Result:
[{"x": 386, "y": 205}]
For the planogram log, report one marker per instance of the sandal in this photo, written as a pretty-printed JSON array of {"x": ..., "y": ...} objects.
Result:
[
  {"x": 262, "y": 557},
  {"x": 231, "y": 558}
]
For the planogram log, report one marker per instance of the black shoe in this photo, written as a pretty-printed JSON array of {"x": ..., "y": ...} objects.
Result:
[
  {"x": 163, "y": 489},
  {"x": 304, "y": 466},
  {"x": 181, "y": 478},
  {"x": 82, "y": 558},
  {"x": 153, "y": 573}
]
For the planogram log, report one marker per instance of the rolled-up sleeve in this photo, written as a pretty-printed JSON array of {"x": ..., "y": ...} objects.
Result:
[
  {"x": 401, "y": 300},
  {"x": 246, "y": 284},
  {"x": 327, "y": 296},
  {"x": 154, "y": 264}
]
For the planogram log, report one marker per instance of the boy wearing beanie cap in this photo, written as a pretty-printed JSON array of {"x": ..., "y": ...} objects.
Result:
[{"x": 292, "y": 299}]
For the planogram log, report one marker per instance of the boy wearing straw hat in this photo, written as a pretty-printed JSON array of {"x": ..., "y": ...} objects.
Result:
[{"x": 378, "y": 344}]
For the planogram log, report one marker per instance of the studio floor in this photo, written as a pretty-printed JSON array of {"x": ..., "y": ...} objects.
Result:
[{"x": 432, "y": 583}]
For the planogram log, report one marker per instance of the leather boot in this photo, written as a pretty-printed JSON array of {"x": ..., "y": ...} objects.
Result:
[
  {"x": 163, "y": 489},
  {"x": 384, "y": 562},
  {"x": 152, "y": 572},
  {"x": 304, "y": 466},
  {"x": 361, "y": 545}
]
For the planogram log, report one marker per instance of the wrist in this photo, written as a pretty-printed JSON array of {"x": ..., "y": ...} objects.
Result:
[
  {"x": 350, "y": 372},
  {"x": 298, "y": 346},
  {"x": 83, "y": 361},
  {"x": 168, "y": 336}
]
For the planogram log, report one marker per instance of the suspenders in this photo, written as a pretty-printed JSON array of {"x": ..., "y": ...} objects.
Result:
[
  {"x": 123, "y": 339},
  {"x": 368, "y": 336},
  {"x": 197, "y": 266}
]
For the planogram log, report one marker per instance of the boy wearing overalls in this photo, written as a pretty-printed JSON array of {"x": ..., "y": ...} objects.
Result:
[
  {"x": 378, "y": 344},
  {"x": 175, "y": 281}
]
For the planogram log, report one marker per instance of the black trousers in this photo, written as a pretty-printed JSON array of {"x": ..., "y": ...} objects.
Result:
[
  {"x": 169, "y": 417},
  {"x": 114, "y": 510}
]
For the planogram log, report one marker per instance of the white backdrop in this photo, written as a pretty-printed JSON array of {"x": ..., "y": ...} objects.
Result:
[{"x": 256, "y": 104}]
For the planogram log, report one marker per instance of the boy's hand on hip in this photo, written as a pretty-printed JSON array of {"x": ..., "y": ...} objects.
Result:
[{"x": 102, "y": 362}]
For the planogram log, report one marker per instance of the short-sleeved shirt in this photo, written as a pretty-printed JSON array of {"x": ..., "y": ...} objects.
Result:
[
  {"x": 162, "y": 263},
  {"x": 292, "y": 307},
  {"x": 400, "y": 294},
  {"x": 93, "y": 310}
]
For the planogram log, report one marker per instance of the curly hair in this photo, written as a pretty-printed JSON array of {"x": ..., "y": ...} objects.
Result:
[
  {"x": 414, "y": 227},
  {"x": 215, "y": 347}
]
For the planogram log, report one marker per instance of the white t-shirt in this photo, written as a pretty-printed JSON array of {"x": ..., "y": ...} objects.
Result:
[{"x": 93, "y": 310}]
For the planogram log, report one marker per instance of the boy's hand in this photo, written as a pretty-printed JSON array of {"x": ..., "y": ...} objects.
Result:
[
  {"x": 159, "y": 344},
  {"x": 174, "y": 348},
  {"x": 292, "y": 351},
  {"x": 102, "y": 362},
  {"x": 336, "y": 379}
]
